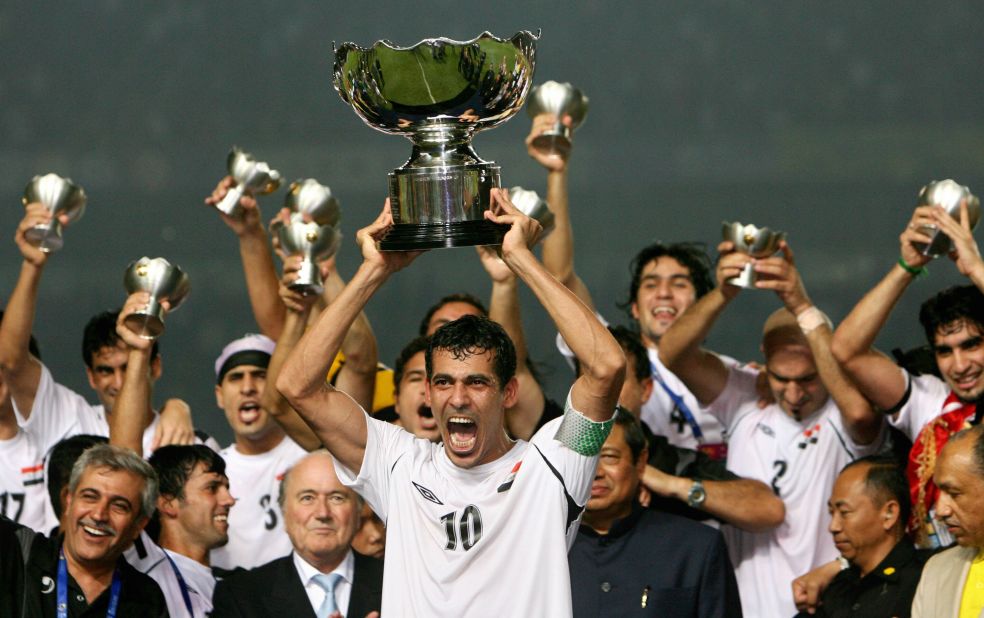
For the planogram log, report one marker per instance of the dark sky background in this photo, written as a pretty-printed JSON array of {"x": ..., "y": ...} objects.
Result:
[{"x": 821, "y": 119}]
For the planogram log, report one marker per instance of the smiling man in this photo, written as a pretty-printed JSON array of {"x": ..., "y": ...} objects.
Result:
[
  {"x": 111, "y": 496},
  {"x": 323, "y": 574},
  {"x": 927, "y": 409},
  {"x": 479, "y": 524}
]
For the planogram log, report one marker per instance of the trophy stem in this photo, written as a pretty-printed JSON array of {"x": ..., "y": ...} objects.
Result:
[
  {"x": 308, "y": 278},
  {"x": 46, "y": 236},
  {"x": 230, "y": 203},
  {"x": 555, "y": 141},
  {"x": 149, "y": 322},
  {"x": 939, "y": 242},
  {"x": 746, "y": 279}
]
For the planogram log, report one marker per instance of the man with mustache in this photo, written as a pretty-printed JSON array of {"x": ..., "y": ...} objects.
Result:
[{"x": 111, "y": 496}]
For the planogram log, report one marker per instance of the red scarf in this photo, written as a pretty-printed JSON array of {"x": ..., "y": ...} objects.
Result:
[{"x": 956, "y": 415}]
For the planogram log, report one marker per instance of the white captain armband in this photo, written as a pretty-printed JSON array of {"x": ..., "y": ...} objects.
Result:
[{"x": 581, "y": 434}]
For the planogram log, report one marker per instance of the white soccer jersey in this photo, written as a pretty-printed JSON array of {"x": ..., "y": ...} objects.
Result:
[
  {"x": 487, "y": 541},
  {"x": 926, "y": 395},
  {"x": 256, "y": 525},
  {"x": 800, "y": 460},
  {"x": 151, "y": 559},
  {"x": 23, "y": 494}
]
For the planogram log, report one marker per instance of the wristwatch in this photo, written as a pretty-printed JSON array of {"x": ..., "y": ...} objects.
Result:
[{"x": 697, "y": 495}]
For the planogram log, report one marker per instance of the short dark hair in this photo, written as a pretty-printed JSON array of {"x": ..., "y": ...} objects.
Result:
[
  {"x": 470, "y": 335},
  {"x": 691, "y": 255},
  {"x": 419, "y": 344},
  {"x": 32, "y": 343},
  {"x": 61, "y": 458},
  {"x": 100, "y": 332},
  {"x": 632, "y": 430},
  {"x": 175, "y": 463},
  {"x": 886, "y": 481},
  {"x": 459, "y": 297},
  {"x": 950, "y": 308}
]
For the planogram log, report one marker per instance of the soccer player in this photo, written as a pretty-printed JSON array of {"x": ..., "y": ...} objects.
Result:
[{"x": 479, "y": 523}]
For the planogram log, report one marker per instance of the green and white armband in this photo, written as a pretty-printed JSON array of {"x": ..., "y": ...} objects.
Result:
[{"x": 581, "y": 434}]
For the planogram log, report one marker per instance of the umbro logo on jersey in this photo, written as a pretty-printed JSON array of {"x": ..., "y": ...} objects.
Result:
[
  {"x": 509, "y": 479},
  {"x": 766, "y": 430},
  {"x": 427, "y": 494}
]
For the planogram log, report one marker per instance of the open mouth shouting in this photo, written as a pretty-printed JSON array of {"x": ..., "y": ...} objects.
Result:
[
  {"x": 462, "y": 434},
  {"x": 249, "y": 412}
]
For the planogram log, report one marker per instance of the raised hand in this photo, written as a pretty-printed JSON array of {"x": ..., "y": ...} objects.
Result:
[
  {"x": 730, "y": 265},
  {"x": 496, "y": 268},
  {"x": 778, "y": 273},
  {"x": 292, "y": 299},
  {"x": 135, "y": 302},
  {"x": 965, "y": 254},
  {"x": 552, "y": 161},
  {"x": 248, "y": 220},
  {"x": 911, "y": 236},
  {"x": 523, "y": 231},
  {"x": 368, "y": 240},
  {"x": 35, "y": 214}
]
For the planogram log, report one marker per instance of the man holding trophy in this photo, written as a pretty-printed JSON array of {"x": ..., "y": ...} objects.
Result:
[{"x": 469, "y": 515}]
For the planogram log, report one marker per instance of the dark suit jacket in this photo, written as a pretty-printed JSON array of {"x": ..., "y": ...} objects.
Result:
[{"x": 275, "y": 589}]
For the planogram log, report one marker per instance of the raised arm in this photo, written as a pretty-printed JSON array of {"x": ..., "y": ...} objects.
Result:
[
  {"x": 558, "y": 247},
  {"x": 680, "y": 347},
  {"x": 262, "y": 282},
  {"x": 337, "y": 420},
  {"x": 596, "y": 391},
  {"x": 878, "y": 377},
  {"x": 862, "y": 422},
  {"x": 21, "y": 371},
  {"x": 133, "y": 407}
]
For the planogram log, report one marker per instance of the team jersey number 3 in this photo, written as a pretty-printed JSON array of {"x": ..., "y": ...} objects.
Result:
[{"x": 467, "y": 527}]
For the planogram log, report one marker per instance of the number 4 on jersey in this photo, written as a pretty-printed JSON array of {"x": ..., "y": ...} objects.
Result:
[{"x": 469, "y": 526}]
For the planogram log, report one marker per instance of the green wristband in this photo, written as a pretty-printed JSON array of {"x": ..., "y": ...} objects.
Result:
[{"x": 915, "y": 272}]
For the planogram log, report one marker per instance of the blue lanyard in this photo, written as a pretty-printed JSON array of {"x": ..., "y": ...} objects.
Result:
[
  {"x": 181, "y": 583},
  {"x": 114, "y": 590},
  {"x": 679, "y": 403}
]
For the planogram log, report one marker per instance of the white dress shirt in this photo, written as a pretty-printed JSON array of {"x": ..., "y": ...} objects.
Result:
[{"x": 316, "y": 594}]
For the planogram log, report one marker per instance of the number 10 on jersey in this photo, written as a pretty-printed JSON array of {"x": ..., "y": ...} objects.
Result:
[{"x": 468, "y": 527}]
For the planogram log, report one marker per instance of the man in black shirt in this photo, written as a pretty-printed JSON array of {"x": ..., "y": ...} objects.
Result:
[{"x": 112, "y": 493}]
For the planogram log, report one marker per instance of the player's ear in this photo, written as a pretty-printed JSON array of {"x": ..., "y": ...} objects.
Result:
[{"x": 510, "y": 394}]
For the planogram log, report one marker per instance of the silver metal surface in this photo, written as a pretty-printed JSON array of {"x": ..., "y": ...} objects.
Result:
[
  {"x": 60, "y": 196},
  {"x": 756, "y": 242},
  {"x": 164, "y": 281},
  {"x": 439, "y": 93},
  {"x": 948, "y": 194},
  {"x": 250, "y": 174},
  {"x": 559, "y": 99},
  {"x": 530, "y": 204},
  {"x": 315, "y": 200},
  {"x": 312, "y": 241}
]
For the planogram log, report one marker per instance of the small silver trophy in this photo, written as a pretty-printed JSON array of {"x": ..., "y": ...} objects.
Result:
[
  {"x": 756, "y": 242},
  {"x": 164, "y": 281},
  {"x": 251, "y": 175},
  {"x": 439, "y": 93},
  {"x": 60, "y": 196},
  {"x": 560, "y": 100},
  {"x": 530, "y": 204},
  {"x": 948, "y": 194},
  {"x": 316, "y": 238}
]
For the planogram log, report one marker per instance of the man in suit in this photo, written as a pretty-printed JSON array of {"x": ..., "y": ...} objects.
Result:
[
  {"x": 322, "y": 577},
  {"x": 952, "y": 583},
  {"x": 627, "y": 558}
]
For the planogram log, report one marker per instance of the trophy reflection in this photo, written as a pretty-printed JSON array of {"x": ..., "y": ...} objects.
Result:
[
  {"x": 164, "y": 282},
  {"x": 61, "y": 197},
  {"x": 250, "y": 175},
  {"x": 754, "y": 241},
  {"x": 529, "y": 203},
  {"x": 560, "y": 100},
  {"x": 312, "y": 231},
  {"x": 948, "y": 194}
]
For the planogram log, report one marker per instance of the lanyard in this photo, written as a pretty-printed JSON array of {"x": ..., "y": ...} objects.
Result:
[
  {"x": 181, "y": 583},
  {"x": 679, "y": 403},
  {"x": 114, "y": 590}
]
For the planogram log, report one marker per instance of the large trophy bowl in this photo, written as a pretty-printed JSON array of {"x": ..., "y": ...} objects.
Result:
[
  {"x": 560, "y": 100},
  {"x": 756, "y": 242},
  {"x": 439, "y": 93},
  {"x": 312, "y": 241},
  {"x": 164, "y": 281},
  {"x": 530, "y": 204},
  {"x": 948, "y": 194},
  {"x": 60, "y": 196},
  {"x": 251, "y": 175}
]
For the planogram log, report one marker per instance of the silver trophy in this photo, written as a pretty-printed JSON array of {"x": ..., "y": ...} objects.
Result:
[
  {"x": 250, "y": 174},
  {"x": 948, "y": 194},
  {"x": 312, "y": 232},
  {"x": 560, "y": 100},
  {"x": 439, "y": 93},
  {"x": 164, "y": 281},
  {"x": 530, "y": 204},
  {"x": 60, "y": 196},
  {"x": 756, "y": 242}
]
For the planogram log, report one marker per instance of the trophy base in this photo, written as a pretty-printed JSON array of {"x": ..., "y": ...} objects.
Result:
[
  {"x": 442, "y": 235},
  {"x": 308, "y": 279},
  {"x": 746, "y": 279},
  {"x": 146, "y": 324},
  {"x": 47, "y": 237},
  {"x": 556, "y": 142}
]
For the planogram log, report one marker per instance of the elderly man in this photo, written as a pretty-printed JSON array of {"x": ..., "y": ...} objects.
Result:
[
  {"x": 465, "y": 514},
  {"x": 627, "y": 558},
  {"x": 322, "y": 575},
  {"x": 111, "y": 496},
  {"x": 952, "y": 585}
]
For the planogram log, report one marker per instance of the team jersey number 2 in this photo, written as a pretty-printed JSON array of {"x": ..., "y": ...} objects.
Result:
[{"x": 468, "y": 527}]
